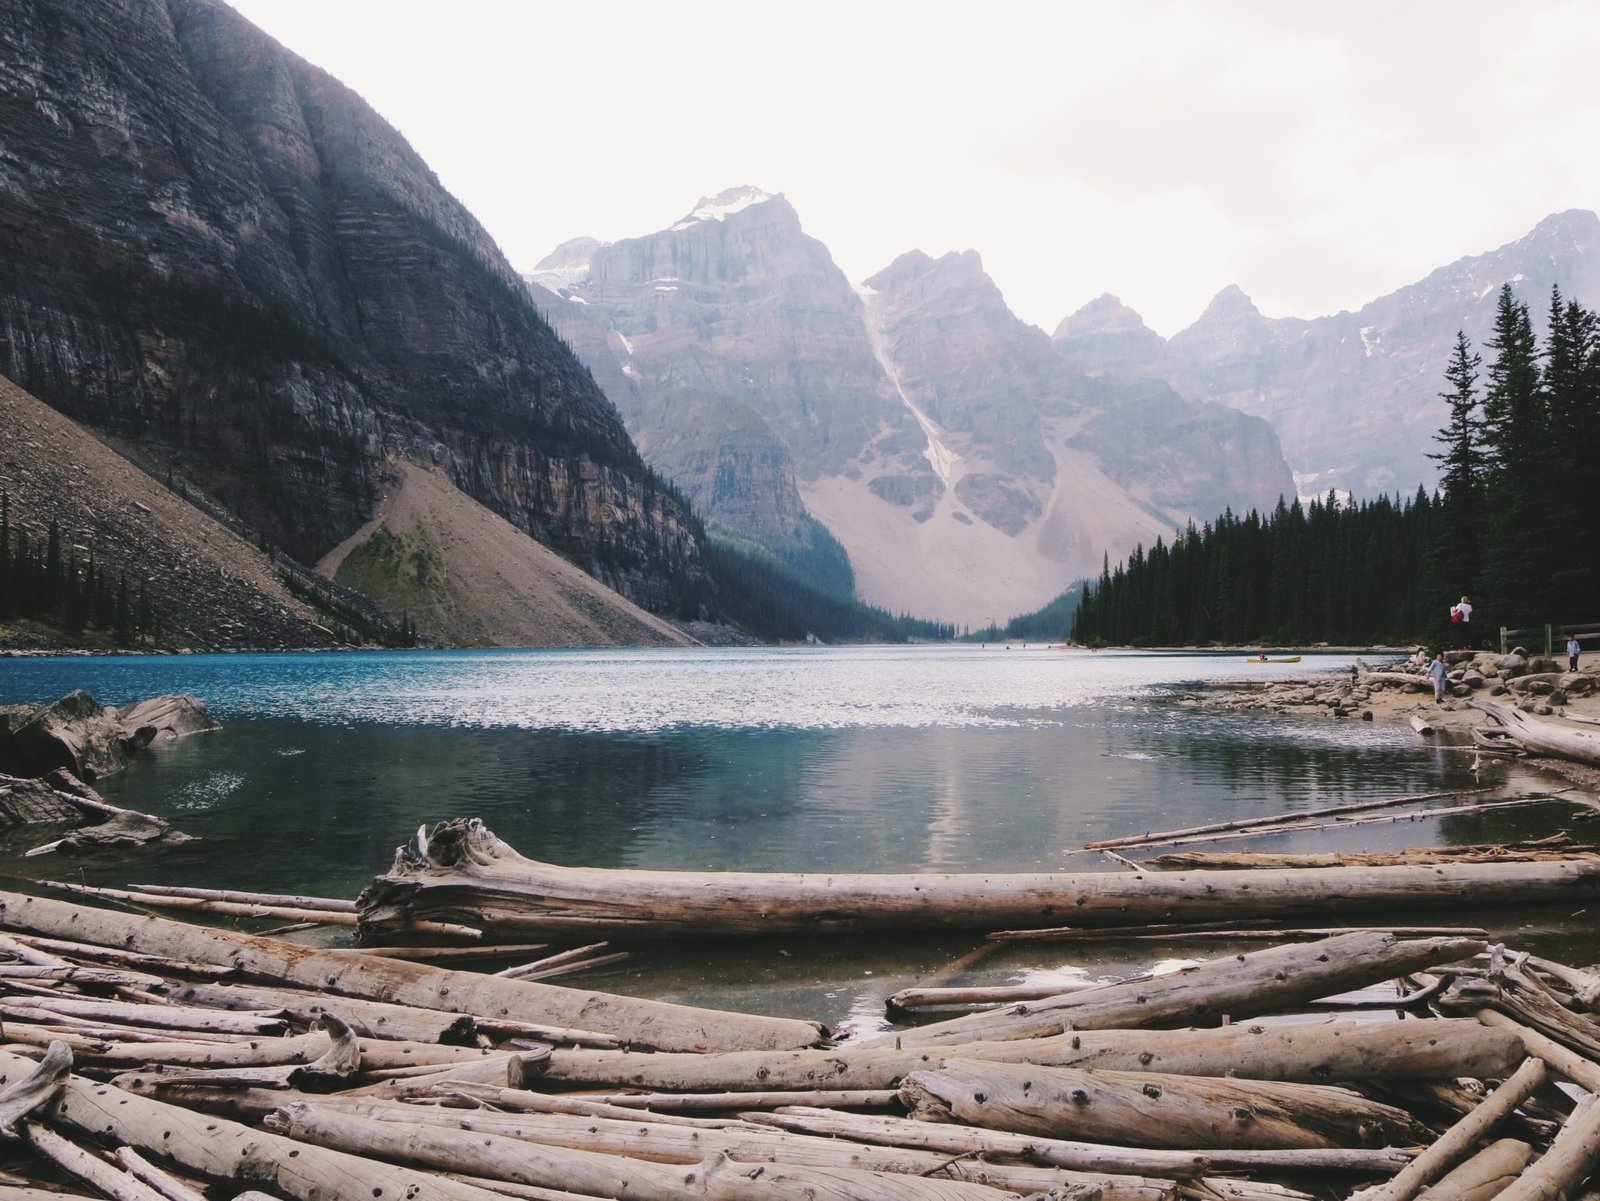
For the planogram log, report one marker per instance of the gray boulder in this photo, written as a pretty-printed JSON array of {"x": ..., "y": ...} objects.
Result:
[
  {"x": 1513, "y": 664},
  {"x": 1575, "y": 683},
  {"x": 79, "y": 735}
]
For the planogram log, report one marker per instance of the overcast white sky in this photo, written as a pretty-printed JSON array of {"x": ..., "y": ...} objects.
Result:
[{"x": 1318, "y": 155}]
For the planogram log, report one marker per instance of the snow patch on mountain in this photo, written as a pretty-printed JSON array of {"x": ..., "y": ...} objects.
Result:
[
  {"x": 940, "y": 457},
  {"x": 723, "y": 205}
]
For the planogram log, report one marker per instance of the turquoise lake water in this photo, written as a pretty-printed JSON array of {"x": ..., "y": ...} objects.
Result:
[{"x": 875, "y": 758}]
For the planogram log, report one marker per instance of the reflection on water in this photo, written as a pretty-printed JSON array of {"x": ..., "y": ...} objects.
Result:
[{"x": 932, "y": 758}]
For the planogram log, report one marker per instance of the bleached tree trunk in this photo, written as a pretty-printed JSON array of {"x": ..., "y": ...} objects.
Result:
[
  {"x": 643, "y": 1023},
  {"x": 1152, "y": 1109},
  {"x": 1238, "y": 986}
]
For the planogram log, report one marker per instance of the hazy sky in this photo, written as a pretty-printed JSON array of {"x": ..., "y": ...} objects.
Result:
[{"x": 1317, "y": 155}]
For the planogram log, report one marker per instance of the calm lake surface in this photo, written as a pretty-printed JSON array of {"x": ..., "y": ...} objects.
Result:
[{"x": 875, "y": 758}]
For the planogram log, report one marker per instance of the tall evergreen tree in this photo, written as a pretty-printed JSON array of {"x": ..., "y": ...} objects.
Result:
[
  {"x": 1572, "y": 404},
  {"x": 1516, "y": 555},
  {"x": 1460, "y": 546}
]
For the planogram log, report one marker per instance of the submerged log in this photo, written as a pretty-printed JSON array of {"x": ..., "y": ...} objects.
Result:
[
  {"x": 1561, "y": 848},
  {"x": 1544, "y": 737},
  {"x": 1238, "y": 985},
  {"x": 1153, "y": 1109},
  {"x": 655, "y": 1024},
  {"x": 464, "y": 874},
  {"x": 1321, "y": 1051}
]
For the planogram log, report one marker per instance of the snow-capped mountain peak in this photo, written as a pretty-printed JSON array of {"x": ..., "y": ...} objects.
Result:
[{"x": 724, "y": 204}]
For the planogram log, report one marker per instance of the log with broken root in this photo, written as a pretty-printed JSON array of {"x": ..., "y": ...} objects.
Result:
[
  {"x": 462, "y": 874},
  {"x": 1539, "y": 736}
]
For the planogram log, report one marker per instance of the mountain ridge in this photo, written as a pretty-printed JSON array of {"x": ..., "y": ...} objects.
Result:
[{"x": 923, "y": 423}]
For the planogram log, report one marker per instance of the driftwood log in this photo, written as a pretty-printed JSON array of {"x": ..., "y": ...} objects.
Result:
[
  {"x": 1313, "y": 1051},
  {"x": 749, "y": 1143},
  {"x": 222, "y": 1150},
  {"x": 1238, "y": 986},
  {"x": 1154, "y": 1109},
  {"x": 653, "y": 1024},
  {"x": 464, "y": 874},
  {"x": 717, "y": 1178},
  {"x": 1542, "y": 737}
]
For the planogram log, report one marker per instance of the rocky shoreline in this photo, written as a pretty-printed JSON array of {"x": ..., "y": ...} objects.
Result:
[{"x": 1400, "y": 692}]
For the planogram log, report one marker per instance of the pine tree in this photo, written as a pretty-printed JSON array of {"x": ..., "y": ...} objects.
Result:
[
  {"x": 1516, "y": 555},
  {"x": 1460, "y": 545},
  {"x": 1571, "y": 403}
]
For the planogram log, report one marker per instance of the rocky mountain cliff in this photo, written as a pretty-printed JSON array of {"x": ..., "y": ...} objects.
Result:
[
  {"x": 969, "y": 471},
  {"x": 207, "y": 587},
  {"x": 225, "y": 261},
  {"x": 1354, "y": 396}
]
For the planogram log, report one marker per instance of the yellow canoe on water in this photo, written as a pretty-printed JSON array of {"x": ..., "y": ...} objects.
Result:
[{"x": 1288, "y": 659}]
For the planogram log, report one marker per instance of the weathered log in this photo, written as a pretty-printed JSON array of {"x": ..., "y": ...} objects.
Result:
[
  {"x": 273, "y": 899},
  {"x": 908, "y": 999},
  {"x": 822, "y": 1098},
  {"x": 654, "y": 1024},
  {"x": 1581, "y": 1071},
  {"x": 1246, "y": 823},
  {"x": 90, "y": 1168},
  {"x": 1520, "y": 995},
  {"x": 1459, "y": 1140},
  {"x": 1571, "y": 1157},
  {"x": 1544, "y": 737},
  {"x": 1080, "y": 1156},
  {"x": 165, "y": 1183},
  {"x": 170, "y": 1017},
  {"x": 376, "y": 1019},
  {"x": 339, "y": 1060},
  {"x": 1318, "y": 1051},
  {"x": 466, "y": 874},
  {"x": 332, "y": 917},
  {"x": 1239, "y": 985},
  {"x": 1234, "y": 860},
  {"x": 1486, "y": 1175},
  {"x": 85, "y": 953},
  {"x": 221, "y": 1150},
  {"x": 1232, "y": 929},
  {"x": 717, "y": 1179},
  {"x": 298, "y": 1051},
  {"x": 662, "y": 1143},
  {"x": 1153, "y": 1109},
  {"x": 33, "y": 1091}
]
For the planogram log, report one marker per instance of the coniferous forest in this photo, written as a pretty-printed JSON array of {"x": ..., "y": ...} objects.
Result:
[
  {"x": 1510, "y": 525},
  {"x": 39, "y": 582}
]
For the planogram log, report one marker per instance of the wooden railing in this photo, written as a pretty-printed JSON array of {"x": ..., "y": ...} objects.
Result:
[{"x": 1583, "y": 633}]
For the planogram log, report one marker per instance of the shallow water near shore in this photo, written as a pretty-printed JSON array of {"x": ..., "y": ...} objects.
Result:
[{"x": 853, "y": 759}]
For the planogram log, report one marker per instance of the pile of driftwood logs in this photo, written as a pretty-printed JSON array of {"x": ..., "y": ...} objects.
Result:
[{"x": 151, "y": 1058}]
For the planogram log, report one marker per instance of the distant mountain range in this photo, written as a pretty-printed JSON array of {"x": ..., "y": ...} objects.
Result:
[
  {"x": 969, "y": 471},
  {"x": 1354, "y": 396}
]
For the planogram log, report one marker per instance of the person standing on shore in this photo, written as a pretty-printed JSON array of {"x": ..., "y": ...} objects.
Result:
[
  {"x": 1572, "y": 652},
  {"x": 1460, "y": 615},
  {"x": 1436, "y": 673}
]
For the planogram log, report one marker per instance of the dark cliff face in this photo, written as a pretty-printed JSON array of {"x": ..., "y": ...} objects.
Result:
[{"x": 224, "y": 258}]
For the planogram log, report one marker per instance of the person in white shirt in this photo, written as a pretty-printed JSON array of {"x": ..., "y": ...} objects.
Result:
[{"x": 1572, "y": 652}]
